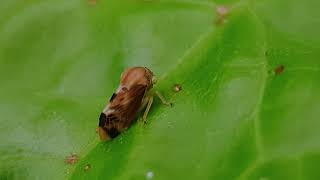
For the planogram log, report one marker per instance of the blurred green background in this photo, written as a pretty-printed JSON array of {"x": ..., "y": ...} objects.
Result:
[{"x": 235, "y": 118}]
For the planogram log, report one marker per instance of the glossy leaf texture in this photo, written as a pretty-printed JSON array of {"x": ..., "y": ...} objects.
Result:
[{"x": 249, "y": 106}]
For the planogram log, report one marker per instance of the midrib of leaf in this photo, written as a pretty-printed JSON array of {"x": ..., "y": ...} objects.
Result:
[{"x": 256, "y": 112}]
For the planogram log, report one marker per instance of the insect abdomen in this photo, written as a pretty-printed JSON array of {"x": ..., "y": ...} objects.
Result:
[
  {"x": 108, "y": 123},
  {"x": 113, "y": 132}
]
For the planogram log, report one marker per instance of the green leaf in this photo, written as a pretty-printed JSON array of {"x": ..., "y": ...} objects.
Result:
[{"x": 235, "y": 118}]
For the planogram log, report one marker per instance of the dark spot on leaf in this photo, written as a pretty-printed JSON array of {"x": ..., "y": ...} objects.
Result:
[
  {"x": 222, "y": 13},
  {"x": 222, "y": 10},
  {"x": 87, "y": 167},
  {"x": 278, "y": 70},
  {"x": 72, "y": 159},
  {"x": 177, "y": 87},
  {"x": 92, "y": 2}
]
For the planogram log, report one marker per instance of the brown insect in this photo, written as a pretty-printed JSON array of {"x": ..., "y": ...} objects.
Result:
[{"x": 134, "y": 94}]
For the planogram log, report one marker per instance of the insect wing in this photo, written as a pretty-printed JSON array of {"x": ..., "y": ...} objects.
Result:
[
  {"x": 127, "y": 105},
  {"x": 124, "y": 108}
]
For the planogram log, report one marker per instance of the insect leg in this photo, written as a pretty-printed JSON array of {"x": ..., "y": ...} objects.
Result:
[
  {"x": 163, "y": 100},
  {"x": 145, "y": 114}
]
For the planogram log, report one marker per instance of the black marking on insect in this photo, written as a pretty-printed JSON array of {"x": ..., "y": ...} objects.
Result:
[
  {"x": 113, "y": 132},
  {"x": 102, "y": 119},
  {"x": 112, "y": 97},
  {"x": 111, "y": 118}
]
